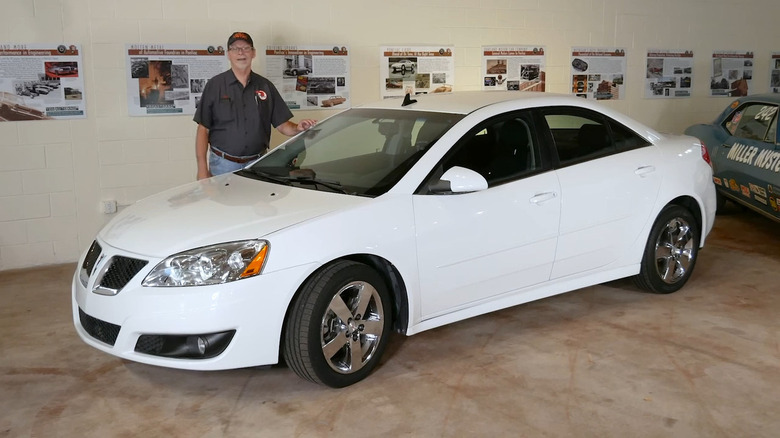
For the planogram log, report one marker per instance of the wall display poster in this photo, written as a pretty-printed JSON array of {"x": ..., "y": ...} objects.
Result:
[
  {"x": 516, "y": 68},
  {"x": 41, "y": 82},
  {"x": 168, "y": 79},
  {"x": 310, "y": 77},
  {"x": 598, "y": 73},
  {"x": 416, "y": 70},
  {"x": 731, "y": 74},
  {"x": 774, "y": 73},
  {"x": 669, "y": 73}
]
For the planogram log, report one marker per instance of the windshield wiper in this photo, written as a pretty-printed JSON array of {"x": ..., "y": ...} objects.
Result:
[
  {"x": 259, "y": 174},
  {"x": 333, "y": 185},
  {"x": 305, "y": 176}
]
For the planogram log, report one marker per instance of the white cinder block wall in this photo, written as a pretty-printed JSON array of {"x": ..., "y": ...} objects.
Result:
[{"x": 53, "y": 174}]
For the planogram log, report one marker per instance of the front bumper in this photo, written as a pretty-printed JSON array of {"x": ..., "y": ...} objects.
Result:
[{"x": 253, "y": 308}]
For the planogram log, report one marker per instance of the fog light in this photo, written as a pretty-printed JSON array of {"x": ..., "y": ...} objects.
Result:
[
  {"x": 185, "y": 346},
  {"x": 197, "y": 344}
]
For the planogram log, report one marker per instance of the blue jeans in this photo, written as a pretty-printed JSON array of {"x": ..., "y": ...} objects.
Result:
[{"x": 219, "y": 165}]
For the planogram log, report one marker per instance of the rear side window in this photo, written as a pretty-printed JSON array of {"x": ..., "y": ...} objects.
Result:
[
  {"x": 754, "y": 121},
  {"x": 581, "y": 134}
]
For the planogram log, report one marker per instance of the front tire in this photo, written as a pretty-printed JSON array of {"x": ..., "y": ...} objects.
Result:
[
  {"x": 671, "y": 251},
  {"x": 339, "y": 325}
]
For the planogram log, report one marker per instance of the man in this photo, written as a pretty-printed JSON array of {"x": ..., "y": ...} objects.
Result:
[{"x": 235, "y": 114}]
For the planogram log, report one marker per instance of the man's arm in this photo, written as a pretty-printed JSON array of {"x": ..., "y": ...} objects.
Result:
[
  {"x": 290, "y": 128},
  {"x": 201, "y": 150}
]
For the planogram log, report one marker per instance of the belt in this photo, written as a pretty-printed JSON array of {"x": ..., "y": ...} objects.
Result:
[{"x": 234, "y": 159}]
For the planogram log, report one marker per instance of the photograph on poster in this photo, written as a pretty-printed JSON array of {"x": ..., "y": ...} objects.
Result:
[
  {"x": 321, "y": 85},
  {"x": 152, "y": 88},
  {"x": 402, "y": 66},
  {"x": 297, "y": 65},
  {"x": 496, "y": 66},
  {"x": 56, "y": 70},
  {"x": 774, "y": 73}
]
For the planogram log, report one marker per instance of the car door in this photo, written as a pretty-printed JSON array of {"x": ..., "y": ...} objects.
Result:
[
  {"x": 748, "y": 161},
  {"x": 476, "y": 246},
  {"x": 609, "y": 185}
]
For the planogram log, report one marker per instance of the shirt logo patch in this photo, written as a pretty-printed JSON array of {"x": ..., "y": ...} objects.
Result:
[{"x": 261, "y": 94}]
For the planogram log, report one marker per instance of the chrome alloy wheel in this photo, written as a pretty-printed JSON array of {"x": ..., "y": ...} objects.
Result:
[
  {"x": 352, "y": 327},
  {"x": 674, "y": 250}
]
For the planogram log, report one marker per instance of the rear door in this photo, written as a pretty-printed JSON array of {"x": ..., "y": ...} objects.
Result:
[{"x": 609, "y": 184}]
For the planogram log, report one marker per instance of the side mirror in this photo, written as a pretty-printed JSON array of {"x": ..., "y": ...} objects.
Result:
[{"x": 459, "y": 180}]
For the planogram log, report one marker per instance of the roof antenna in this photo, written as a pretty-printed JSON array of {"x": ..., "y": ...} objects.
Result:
[{"x": 408, "y": 100}]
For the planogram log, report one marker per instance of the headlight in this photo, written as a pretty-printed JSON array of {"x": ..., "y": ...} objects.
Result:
[{"x": 215, "y": 264}]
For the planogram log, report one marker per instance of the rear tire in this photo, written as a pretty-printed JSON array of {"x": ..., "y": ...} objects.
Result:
[
  {"x": 339, "y": 325},
  {"x": 670, "y": 253}
]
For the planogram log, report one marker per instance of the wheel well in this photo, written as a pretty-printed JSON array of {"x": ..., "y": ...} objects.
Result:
[
  {"x": 691, "y": 205},
  {"x": 395, "y": 285},
  {"x": 389, "y": 274}
]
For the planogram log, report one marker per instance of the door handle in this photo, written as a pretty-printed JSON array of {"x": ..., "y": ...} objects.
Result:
[
  {"x": 542, "y": 197},
  {"x": 644, "y": 170}
]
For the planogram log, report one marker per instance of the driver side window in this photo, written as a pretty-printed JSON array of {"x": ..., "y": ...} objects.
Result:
[{"x": 501, "y": 150}]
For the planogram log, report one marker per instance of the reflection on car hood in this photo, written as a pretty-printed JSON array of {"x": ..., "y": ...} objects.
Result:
[{"x": 220, "y": 209}]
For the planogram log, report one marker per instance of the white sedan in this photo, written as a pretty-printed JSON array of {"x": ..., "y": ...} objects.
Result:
[
  {"x": 393, "y": 218},
  {"x": 403, "y": 66}
]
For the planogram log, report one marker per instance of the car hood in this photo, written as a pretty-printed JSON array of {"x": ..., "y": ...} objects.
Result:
[{"x": 220, "y": 209}]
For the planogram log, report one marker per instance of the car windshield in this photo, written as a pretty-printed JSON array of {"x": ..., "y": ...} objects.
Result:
[{"x": 359, "y": 151}]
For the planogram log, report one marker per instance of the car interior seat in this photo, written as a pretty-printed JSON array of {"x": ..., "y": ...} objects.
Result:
[
  {"x": 592, "y": 138},
  {"x": 513, "y": 150}
]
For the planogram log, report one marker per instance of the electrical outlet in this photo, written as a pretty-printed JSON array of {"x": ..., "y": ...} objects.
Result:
[{"x": 108, "y": 207}]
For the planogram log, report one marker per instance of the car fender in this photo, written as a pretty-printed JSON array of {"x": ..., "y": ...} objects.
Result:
[{"x": 343, "y": 234}]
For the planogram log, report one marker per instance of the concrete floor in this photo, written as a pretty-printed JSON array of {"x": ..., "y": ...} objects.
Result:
[{"x": 605, "y": 361}]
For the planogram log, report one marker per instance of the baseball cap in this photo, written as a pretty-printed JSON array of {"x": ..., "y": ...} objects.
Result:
[{"x": 235, "y": 36}]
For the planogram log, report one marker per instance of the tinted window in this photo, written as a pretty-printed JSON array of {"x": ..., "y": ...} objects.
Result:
[
  {"x": 754, "y": 122},
  {"x": 578, "y": 134},
  {"x": 581, "y": 134},
  {"x": 502, "y": 149},
  {"x": 625, "y": 138}
]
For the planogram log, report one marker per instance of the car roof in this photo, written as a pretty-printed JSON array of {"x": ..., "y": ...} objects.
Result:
[
  {"x": 766, "y": 97},
  {"x": 466, "y": 102}
]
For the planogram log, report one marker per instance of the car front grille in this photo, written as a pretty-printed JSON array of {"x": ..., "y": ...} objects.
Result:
[
  {"x": 120, "y": 271},
  {"x": 101, "y": 330}
]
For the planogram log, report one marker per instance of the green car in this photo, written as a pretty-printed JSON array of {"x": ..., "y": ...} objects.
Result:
[{"x": 745, "y": 153}]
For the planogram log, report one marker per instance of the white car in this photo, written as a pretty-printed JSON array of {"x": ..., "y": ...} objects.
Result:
[
  {"x": 389, "y": 218},
  {"x": 403, "y": 66}
]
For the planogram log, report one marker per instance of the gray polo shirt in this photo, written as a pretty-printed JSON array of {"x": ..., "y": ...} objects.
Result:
[{"x": 239, "y": 118}]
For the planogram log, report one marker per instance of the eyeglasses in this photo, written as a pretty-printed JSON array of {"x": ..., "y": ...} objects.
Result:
[{"x": 240, "y": 50}]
